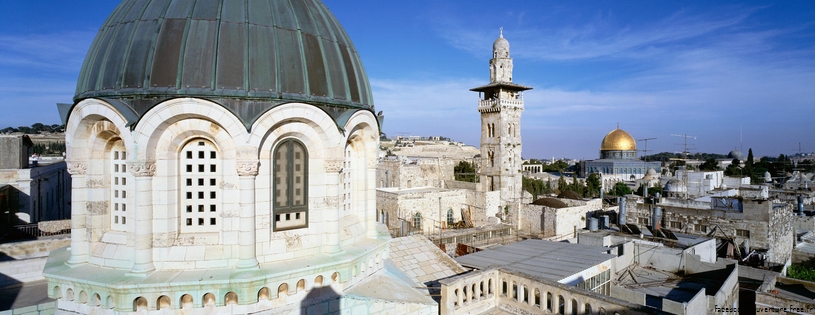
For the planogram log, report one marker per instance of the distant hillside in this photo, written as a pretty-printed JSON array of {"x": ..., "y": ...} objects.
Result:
[{"x": 666, "y": 156}]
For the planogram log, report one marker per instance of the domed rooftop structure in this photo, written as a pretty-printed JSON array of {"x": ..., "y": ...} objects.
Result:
[
  {"x": 651, "y": 174},
  {"x": 675, "y": 186},
  {"x": 246, "y": 55},
  {"x": 618, "y": 140},
  {"x": 501, "y": 44},
  {"x": 736, "y": 154}
]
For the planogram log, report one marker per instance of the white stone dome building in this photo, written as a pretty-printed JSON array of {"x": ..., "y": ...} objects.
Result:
[{"x": 223, "y": 158}]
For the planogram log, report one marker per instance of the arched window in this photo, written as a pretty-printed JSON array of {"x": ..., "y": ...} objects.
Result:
[
  {"x": 417, "y": 221},
  {"x": 450, "y": 217},
  {"x": 200, "y": 180},
  {"x": 119, "y": 178},
  {"x": 290, "y": 185}
]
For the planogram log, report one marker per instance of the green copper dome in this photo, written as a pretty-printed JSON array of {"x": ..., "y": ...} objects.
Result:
[{"x": 247, "y": 55}]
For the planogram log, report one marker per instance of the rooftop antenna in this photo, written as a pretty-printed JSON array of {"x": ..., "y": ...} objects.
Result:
[
  {"x": 741, "y": 138},
  {"x": 685, "y": 149}
]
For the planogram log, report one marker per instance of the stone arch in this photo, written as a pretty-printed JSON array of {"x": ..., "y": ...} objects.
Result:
[
  {"x": 186, "y": 301},
  {"x": 264, "y": 294},
  {"x": 83, "y": 297},
  {"x": 574, "y": 306},
  {"x": 208, "y": 300},
  {"x": 80, "y": 127},
  {"x": 335, "y": 277},
  {"x": 110, "y": 302},
  {"x": 281, "y": 120},
  {"x": 96, "y": 300},
  {"x": 230, "y": 298},
  {"x": 587, "y": 308},
  {"x": 155, "y": 122},
  {"x": 69, "y": 294},
  {"x": 301, "y": 285},
  {"x": 163, "y": 302},
  {"x": 139, "y": 304},
  {"x": 318, "y": 281}
]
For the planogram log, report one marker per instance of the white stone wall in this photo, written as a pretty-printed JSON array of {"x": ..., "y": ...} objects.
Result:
[
  {"x": 43, "y": 192},
  {"x": 406, "y": 203},
  {"x": 546, "y": 221}
]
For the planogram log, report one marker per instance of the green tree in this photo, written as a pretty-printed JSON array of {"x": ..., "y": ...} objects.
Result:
[
  {"x": 651, "y": 190},
  {"x": 749, "y": 170},
  {"x": 592, "y": 185},
  {"x": 464, "y": 171},
  {"x": 733, "y": 169},
  {"x": 709, "y": 165},
  {"x": 620, "y": 189},
  {"x": 562, "y": 185}
]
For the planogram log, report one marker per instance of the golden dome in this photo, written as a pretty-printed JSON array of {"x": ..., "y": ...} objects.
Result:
[{"x": 618, "y": 140}]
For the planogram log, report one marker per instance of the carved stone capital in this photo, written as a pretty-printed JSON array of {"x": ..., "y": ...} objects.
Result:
[
  {"x": 333, "y": 166},
  {"x": 77, "y": 168},
  {"x": 247, "y": 168},
  {"x": 142, "y": 169}
]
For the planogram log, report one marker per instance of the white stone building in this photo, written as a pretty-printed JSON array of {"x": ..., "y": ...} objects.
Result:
[
  {"x": 223, "y": 159},
  {"x": 33, "y": 193}
]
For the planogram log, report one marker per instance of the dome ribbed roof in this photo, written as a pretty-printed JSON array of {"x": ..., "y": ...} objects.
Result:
[
  {"x": 267, "y": 51},
  {"x": 618, "y": 140}
]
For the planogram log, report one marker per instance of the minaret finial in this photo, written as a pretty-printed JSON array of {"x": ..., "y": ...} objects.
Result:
[
  {"x": 618, "y": 125},
  {"x": 501, "y": 29}
]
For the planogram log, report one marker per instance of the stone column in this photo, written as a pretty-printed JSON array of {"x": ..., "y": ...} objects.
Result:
[
  {"x": 477, "y": 291},
  {"x": 333, "y": 172},
  {"x": 143, "y": 227},
  {"x": 79, "y": 235},
  {"x": 370, "y": 196},
  {"x": 247, "y": 172},
  {"x": 460, "y": 297}
]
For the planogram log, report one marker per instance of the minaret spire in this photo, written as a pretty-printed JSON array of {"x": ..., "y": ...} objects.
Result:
[{"x": 501, "y": 29}]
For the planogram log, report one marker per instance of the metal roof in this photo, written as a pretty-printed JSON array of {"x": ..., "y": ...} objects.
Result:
[
  {"x": 502, "y": 85},
  {"x": 247, "y": 55},
  {"x": 539, "y": 258}
]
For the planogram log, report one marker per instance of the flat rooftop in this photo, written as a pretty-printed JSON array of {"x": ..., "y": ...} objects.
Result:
[{"x": 551, "y": 260}]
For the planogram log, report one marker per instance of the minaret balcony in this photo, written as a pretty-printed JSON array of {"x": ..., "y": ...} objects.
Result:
[{"x": 495, "y": 104}]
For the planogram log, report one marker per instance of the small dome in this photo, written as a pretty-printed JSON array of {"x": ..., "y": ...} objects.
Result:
[
  {"x": 500, "y": 44},
  {"x": 618, "y": 140},
  {"x": 675, "y": 185},
  {"x": 650, "y": 175},
  {"x": 736, "y": 154}
]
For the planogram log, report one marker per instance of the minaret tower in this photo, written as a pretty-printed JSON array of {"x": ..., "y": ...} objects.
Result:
[{"x": 501, "y": 103}]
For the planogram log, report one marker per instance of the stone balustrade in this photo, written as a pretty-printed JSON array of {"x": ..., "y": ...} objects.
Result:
[
  {"x": 477, "y": 291},
  {"x": 495, "y": 104}
]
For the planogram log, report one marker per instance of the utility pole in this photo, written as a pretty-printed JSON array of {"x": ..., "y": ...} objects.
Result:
[{"x": 645, "y": 165}]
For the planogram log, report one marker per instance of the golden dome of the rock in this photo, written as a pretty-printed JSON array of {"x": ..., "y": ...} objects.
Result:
[{"x": 618, "y": 140}]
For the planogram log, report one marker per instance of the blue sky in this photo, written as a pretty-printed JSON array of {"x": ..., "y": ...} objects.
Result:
[{"x": 721, "y": 71}]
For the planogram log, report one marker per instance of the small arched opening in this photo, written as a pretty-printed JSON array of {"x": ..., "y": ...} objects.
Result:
[
  {"x": 140, "y": 304},
  {"x": 230, "y": 298},
  {"x": 263, "y": 294},
  {"x": 186, "y": 301},
  {"x": 283, "y": 289},
  {"x": 163, "y": 302},
  {"x": 208, "y": 300},
  {"x": 301, "y": 285},
  {"x": 318, "y": 281}
]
